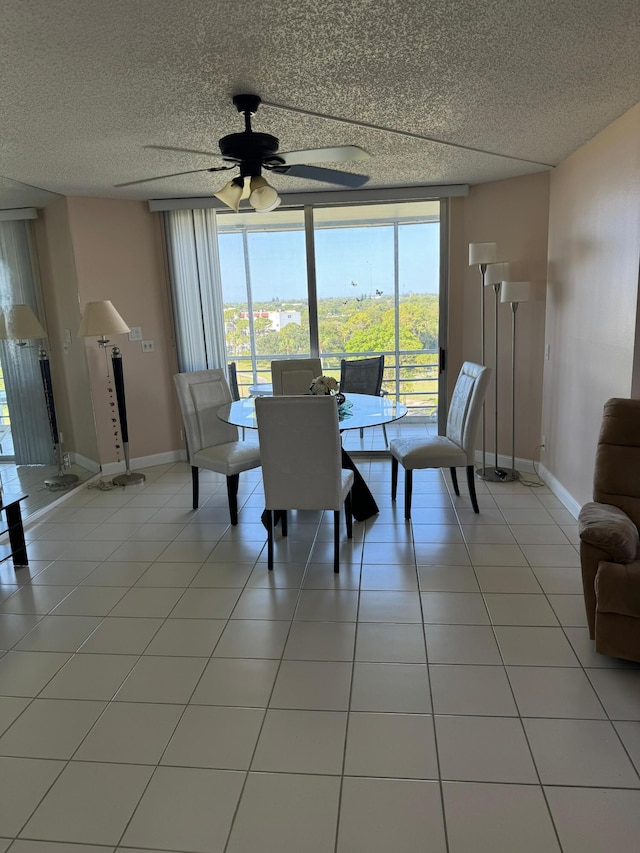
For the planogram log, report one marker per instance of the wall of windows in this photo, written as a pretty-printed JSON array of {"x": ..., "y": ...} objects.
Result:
[{"x": 339, "y": 282}]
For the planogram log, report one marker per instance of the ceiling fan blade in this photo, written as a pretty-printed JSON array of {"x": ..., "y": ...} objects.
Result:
[
  {"x": 341, "y": 154},
  {"x": 174, "y": 175},
  {"x": 186, "y": 150},
  {"x": 408, "y": 133},
  {"x": 328, "y": 176}
]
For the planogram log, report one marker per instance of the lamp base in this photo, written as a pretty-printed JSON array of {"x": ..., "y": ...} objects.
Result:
[
  {"x": 128, "y": 479},
  {"x": 498, "y": 475},
  {"x": 61, "y": 481}
]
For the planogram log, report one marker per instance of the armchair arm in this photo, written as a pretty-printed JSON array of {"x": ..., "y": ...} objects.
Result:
[{"x": 610, "y": 530}]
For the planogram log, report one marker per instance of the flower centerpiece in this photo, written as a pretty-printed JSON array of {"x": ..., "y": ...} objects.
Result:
[{"x": 326, "y": 385}]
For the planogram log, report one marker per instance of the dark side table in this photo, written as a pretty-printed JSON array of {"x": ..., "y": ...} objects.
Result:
[{"x": 17, "y": 547}]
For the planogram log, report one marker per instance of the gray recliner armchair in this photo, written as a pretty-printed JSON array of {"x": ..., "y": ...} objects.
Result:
[{"x": 609, "y": 539}]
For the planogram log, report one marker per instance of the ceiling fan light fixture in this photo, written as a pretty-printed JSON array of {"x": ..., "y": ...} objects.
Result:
[
  {"x": 231, "y": 193},
  {"x": 263, "y": 197}
]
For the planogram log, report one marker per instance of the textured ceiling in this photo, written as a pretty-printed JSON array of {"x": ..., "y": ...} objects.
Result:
[{"x": 86, "y": 84}]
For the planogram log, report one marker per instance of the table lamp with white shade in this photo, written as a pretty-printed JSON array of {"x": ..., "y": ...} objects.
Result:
[
  {"x": 514, "y": 292},
  {"x": 20, "y": 324},
  {"x": 481, "y": 255},
  {"x": 100, "y": 319}
]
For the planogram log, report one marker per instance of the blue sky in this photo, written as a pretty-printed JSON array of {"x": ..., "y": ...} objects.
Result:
[{"x": 363, "y": 255}]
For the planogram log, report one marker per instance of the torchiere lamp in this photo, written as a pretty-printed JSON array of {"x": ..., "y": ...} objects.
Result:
[
  {"x": 480, "y": 255},
  {"x": 495, "y": 274},
  {"x": 514, "y": 292},
  {"x": 20, "y": 324},
  {"x": 99, "y": 320}
]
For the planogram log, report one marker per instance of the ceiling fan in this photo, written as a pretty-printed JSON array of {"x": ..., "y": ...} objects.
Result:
[{"x": 252, "y": 152}]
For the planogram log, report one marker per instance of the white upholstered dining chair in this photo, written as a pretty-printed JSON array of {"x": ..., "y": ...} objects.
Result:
[
  {"x": 212, "y": 443},
  {"x": 456, "y": 447},
  {"x": 302, "y": 462},
  {"x": 294, "y": 375}
]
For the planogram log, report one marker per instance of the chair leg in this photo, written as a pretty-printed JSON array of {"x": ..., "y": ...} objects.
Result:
[
  {"x": 384, "y": 432},
  {"x": 348, "y": 514},
  {"x": 361, "y": 433},
  {"x": 408, "y": 483},
  {"x": 471, "y": 480},
  {"x": 394, "y": 477},
  {"x": 336, "y": 541},
  {"x": 195, "y": 485},
  {"x": 268, "y": 518},
  {"x": 232, "y": 493},
  {"x": 283, "y": 522},
  {"x": 454, "y": 479}
]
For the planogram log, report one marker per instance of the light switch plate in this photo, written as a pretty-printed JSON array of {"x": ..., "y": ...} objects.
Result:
[
  {"x": 147, "y": 346},
  {"x": 135, "y": 333}
]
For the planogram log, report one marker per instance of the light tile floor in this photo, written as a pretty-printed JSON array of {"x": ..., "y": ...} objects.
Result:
[{"x": 160, "y": 690}]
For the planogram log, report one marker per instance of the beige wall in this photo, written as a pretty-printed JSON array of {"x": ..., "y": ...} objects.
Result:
[
  {"x": 592, "y": 300},
  {"x": 118, "y": 256},
  {"x": 514, "y": 215},
  {"x": 70, "y": 377}
]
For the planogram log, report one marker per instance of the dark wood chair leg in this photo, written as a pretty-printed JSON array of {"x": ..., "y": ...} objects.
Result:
[
  {"x": 394, "y": 477},
  {"x": 471, "y": 480},
  {"x": 336, "y": 541},
  {"x": 283, "y": 522},
  {"x": 408, "y": 483},
  {"x": 195, "y": 485},
  {"x": 454, "y": 480},
  {"x": 348, "y": 515},
  {"x": 232, "y": 493},
  {"x": 267, "y": 517}
]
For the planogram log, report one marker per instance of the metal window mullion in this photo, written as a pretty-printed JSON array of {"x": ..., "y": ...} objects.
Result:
[
  {"x": 312, "y": 288},
  {"x": 396, "y": 296}
]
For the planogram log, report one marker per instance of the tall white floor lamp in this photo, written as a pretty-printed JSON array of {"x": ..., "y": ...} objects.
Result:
[
  {"x": 99, "y": 320},
  {"x": 481, "y": 255},
  {"x": 513, "y": 292},
  {"x": 20, "y": 324},
  {"x": 495, "y": 274}
]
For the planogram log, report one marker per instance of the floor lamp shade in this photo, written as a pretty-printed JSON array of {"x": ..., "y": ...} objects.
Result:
[
  {"x": 482, "y": 253},
  {"x": 514, "y": 292},
  {"x": 99, "y": 320},
  {"x": 20, "y": 324}
]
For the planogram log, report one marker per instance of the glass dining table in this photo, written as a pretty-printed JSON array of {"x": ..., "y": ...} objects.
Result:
[{"x": 358, "y": 411}]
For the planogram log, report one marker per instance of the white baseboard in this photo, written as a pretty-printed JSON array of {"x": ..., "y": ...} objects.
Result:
[
  {"x": 166, "y": 458},
  {"x": 567, "y": 500},
  {"x": 504, "y": 461},
  {"x": 85, "y": 462}
]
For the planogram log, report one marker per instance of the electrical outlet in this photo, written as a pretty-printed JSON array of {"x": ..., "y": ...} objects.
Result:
[
  {"x": 135, "y": 333},
  {"x": 147, "y": 346}
]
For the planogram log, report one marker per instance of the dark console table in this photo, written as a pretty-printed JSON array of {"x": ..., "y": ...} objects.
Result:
[{"x": 17, "y": 547}]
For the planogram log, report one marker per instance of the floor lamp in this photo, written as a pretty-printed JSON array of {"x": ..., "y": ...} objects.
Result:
[
  {"x": 495, "y": 274},
  {"x": 20, "y": 324},
  {"x": 481, "y": 255},
  {"x": 514, "y": 292},
  {"x": 99, "y": 320}
]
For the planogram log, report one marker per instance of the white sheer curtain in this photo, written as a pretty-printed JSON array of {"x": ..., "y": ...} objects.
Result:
[
  {"x": 19, "y": 283},
  {"x": 196, "y": 289}
]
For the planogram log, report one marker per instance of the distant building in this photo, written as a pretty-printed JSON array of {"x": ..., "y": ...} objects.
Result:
[{"x": 278, "y": 319}]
